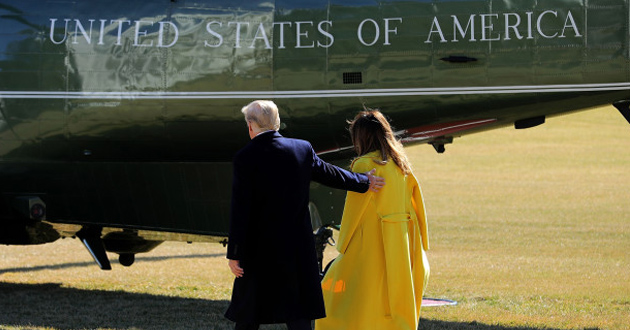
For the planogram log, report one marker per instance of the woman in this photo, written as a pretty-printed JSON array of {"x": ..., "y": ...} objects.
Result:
[{"x": 379, "y": 277}]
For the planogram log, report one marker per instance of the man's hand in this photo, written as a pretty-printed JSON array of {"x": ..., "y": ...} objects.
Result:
[
  {"x": 376, "y": 182},
  {"x": 235, "y": 267}
]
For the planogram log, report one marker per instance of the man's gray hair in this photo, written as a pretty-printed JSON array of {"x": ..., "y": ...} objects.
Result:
[{"x": 264, "y": 113}]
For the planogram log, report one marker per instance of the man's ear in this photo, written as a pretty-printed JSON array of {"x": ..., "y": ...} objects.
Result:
[{"x": 250, "y": 129}]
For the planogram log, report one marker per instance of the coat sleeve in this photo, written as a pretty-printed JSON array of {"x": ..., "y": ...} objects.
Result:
[
  {"x": 354, "y": 207},
  {"x": 418, "y": 206},
  {"x": 336, "y": 177},
  {"x": 240, "y": 209}
]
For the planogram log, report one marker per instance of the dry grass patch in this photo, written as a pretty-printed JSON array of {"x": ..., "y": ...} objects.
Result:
[{"x": 531, "y": 228}]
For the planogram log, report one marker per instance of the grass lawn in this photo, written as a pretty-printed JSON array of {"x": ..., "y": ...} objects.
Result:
[
  {"x": 532, "y": 228},
  {"x": 529, "y": 230}
]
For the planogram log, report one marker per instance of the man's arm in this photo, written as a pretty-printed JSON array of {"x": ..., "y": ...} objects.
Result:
[{"x": 336, "y": 177}]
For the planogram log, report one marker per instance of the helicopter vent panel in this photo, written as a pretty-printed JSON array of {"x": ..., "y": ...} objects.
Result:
[{"x": 352, "y": 78}]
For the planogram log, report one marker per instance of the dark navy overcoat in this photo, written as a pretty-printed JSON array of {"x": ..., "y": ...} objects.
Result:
[{"x": 270, "y": 229}]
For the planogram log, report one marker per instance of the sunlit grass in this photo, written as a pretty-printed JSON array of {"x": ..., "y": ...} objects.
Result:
[
  {"x": 529, "y": 230},
  {"x": 532, "y": 228}
]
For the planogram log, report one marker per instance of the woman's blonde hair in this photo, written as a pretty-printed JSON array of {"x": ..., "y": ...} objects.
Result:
[{"x": 370, "y": 131}]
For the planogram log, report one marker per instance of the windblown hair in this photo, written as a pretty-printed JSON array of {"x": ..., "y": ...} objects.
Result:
[
  {"x": 264, "y": 113},
  {"x": 370, "y": 131}
]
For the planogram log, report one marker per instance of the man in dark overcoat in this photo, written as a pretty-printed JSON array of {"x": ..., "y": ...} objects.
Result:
[{"x": 271, "y": 249}]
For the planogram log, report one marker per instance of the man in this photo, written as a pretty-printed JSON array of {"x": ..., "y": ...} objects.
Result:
[{"x": 271, "y": 246}]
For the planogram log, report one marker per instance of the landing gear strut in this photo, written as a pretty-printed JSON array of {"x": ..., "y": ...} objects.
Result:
[{"x": 323, "y": 237}]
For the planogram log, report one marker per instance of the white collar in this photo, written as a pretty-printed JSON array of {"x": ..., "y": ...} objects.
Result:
[{"x": 270, "y": 130}]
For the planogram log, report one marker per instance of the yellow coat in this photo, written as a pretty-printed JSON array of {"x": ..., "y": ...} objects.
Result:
[{"x": 380, "y": 275}]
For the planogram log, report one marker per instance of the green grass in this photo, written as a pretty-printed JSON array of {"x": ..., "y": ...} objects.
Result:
[{"x": 529, "y": 230}]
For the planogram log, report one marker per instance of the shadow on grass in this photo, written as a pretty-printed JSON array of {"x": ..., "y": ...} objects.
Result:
[
  {"x": 50, "y": 306},
  {"x": 442, "y": 325},
  {"x": 92, "y": 263}
]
